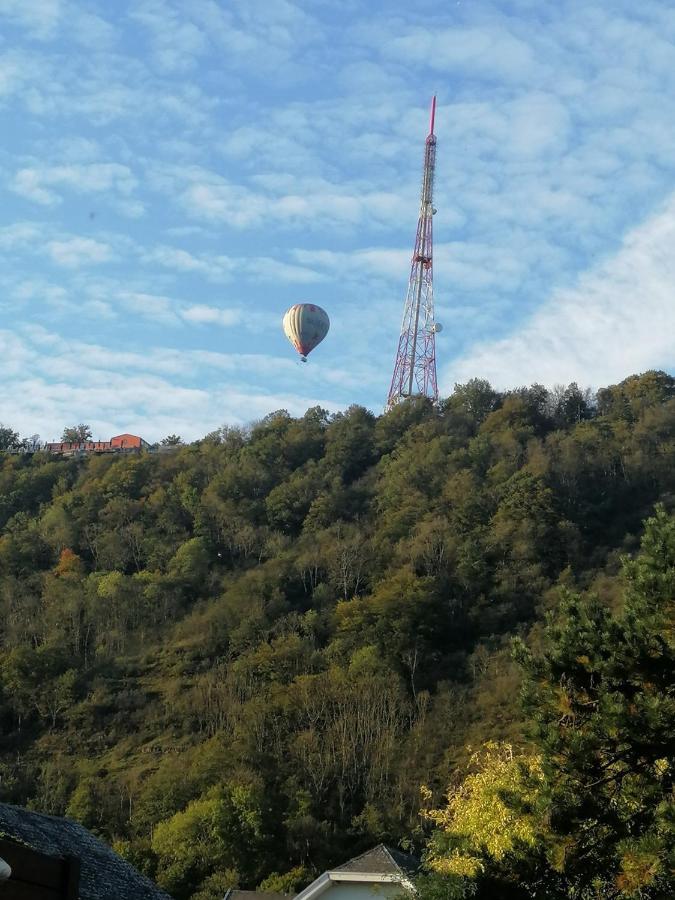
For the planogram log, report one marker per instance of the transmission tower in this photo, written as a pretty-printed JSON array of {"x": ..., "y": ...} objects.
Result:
[{"x": 415, "y": 366}]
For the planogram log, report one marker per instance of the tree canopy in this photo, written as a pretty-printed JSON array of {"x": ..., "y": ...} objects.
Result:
[
  {"x": 76, "y": 434},
  {"x": 587, "y": 811},
  {"x": 277, "y": 633}
]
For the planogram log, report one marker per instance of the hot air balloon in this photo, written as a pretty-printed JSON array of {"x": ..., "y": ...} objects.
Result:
[{"x": 305, "y": 326}]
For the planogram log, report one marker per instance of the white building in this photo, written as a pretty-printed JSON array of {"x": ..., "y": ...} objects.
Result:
[{"x": 377, "y": 874}]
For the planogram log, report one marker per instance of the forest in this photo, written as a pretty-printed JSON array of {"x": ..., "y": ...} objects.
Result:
[{"x": 449, "y": 628}]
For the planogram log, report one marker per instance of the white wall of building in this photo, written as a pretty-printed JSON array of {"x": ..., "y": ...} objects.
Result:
[{"x": 349, "y": 890}]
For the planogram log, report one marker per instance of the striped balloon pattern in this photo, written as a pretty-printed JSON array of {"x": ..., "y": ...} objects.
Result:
[{"x": 305, "y": 326}]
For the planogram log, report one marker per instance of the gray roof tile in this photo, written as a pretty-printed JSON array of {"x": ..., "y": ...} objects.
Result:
[
  {"x": 381, "y": 860},
  {"x": 103, "y": 874}
]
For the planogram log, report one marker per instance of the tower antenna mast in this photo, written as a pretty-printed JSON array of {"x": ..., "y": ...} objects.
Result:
[{"x": 415, "y": 365}]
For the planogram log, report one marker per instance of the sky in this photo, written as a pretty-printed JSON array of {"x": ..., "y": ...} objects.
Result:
[{"x": 174, "y": 174}]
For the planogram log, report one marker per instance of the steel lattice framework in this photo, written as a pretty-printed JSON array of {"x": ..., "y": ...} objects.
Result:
[{"x": 415, "y": 366}]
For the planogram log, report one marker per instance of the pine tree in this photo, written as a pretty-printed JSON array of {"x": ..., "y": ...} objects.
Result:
[{"x": 603, "y": 709}]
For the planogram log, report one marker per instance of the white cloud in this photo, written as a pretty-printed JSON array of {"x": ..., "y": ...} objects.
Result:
[
  {"x": 78, "y": 251},
  {"x": 488, "y": 51},
  {"x": 91, "y": 30},
  {"x": 130, "y": 209},
  {"x": 179, "y": 260},
  {"x": 211, "y": 315},
  {"x": 219, "y": 268},
  {"x": 225, "y": 203},
  {"x": 266, "y": 269},
  {"x": 14, "y": 72},
  {"x": 244, "y": 39},
  {"x": 387, "y": 262},
  {"x": 150, "y": 306},
  {"x": 554, "y": 137},
  {"x": 40, "y": 290},
  {"x": 464, "y": 265},
  {"x": 27, "y": 183},
  {"x": 147, "y": 393},
  {"x": 40, "y": 17},
  {"x": 280, "y": 197},
  {"x": 619, "y": 319},
  {"x": 176, "y": 42},
  {"x": 21, "y": 234},
  {"x": 309, "y": 202},
  {"x": 34, "y": 182}
]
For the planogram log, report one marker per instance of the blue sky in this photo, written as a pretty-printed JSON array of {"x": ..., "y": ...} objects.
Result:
[{"x": 175, "y": 173}]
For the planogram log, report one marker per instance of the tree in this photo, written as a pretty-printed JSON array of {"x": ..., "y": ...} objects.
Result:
[
  {"x": 405, "y": 617},
  {"x": 39, "y": 680},
  {"x": 349, "y": 442},
  {"x": 222, "y": 830},
  {"x": 172, "y": 440},
  {"x": 476, "y": 398},
  {"x": 601, "y": 700},
  {"x": 189, "y": 565},
  {"x": 9, "y": 439},
  {"x": 569, "y": 405},
  {"x": 587, "y": 813},
  {"x": 629, "y": 398},
  {"x": 322, "y": 607},
  {"x": 76, "y": 434},
  {"x": 494, "y": 815},
  {"x": 287, "y": 883}
]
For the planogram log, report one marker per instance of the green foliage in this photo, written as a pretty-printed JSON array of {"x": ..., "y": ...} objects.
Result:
[
  {"x": 242, "y": 657},
  {"x": 601, "y": 699},
  {"x": 219, "y": 832},
  {"x": 9, "y": 439},
  {"x": 589, "y": 812},
  {"x": 76, "y": 434},
  {"x": 495, "y": 812},
  {"x": 287, "y": 883}
]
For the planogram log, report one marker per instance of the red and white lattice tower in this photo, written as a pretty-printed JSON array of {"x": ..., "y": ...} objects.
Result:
[{"x": 415, "y": 366}]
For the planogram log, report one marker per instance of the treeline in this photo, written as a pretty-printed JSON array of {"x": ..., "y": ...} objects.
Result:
[{"x": 240, "y": 661}]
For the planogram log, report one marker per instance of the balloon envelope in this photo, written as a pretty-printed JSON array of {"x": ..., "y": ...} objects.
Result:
[{"x": 305, "y": 326}]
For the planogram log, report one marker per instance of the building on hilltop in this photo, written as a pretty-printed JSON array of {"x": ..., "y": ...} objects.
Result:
[
  {"x": 128, "y": 442},
  {"x": 58, "y": 859},
  {"x": 121, "y": 443}
]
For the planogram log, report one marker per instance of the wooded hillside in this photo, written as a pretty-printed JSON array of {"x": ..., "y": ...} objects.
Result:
[{"x": 246, "y": 657}]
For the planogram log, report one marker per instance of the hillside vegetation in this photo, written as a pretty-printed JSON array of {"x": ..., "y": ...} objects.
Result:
[{"x": 245, "y": 657}]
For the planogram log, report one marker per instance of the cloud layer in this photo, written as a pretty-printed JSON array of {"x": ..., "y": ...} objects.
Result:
[
  {"x": 619, "y": 318},
  {"x": 176, "y": 175}
]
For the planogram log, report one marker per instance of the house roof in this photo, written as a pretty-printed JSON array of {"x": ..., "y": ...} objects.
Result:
[
  {"x": 103, "y": 874},
  {"x": 381, "y": 860},
  {"x": 381, "y": 865},
  {"x": 236, "y": 894}
]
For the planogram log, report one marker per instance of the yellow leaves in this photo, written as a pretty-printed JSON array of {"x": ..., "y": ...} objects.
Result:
[
  {"x": 109, "y": 585},
  {"x": 661, "y": 766},
  {"x": 564, "y": 706},
  {"x": 458, "y": 864},
  {"x": 477, "y": 817},
  {"x": 426, "y": 793}
]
